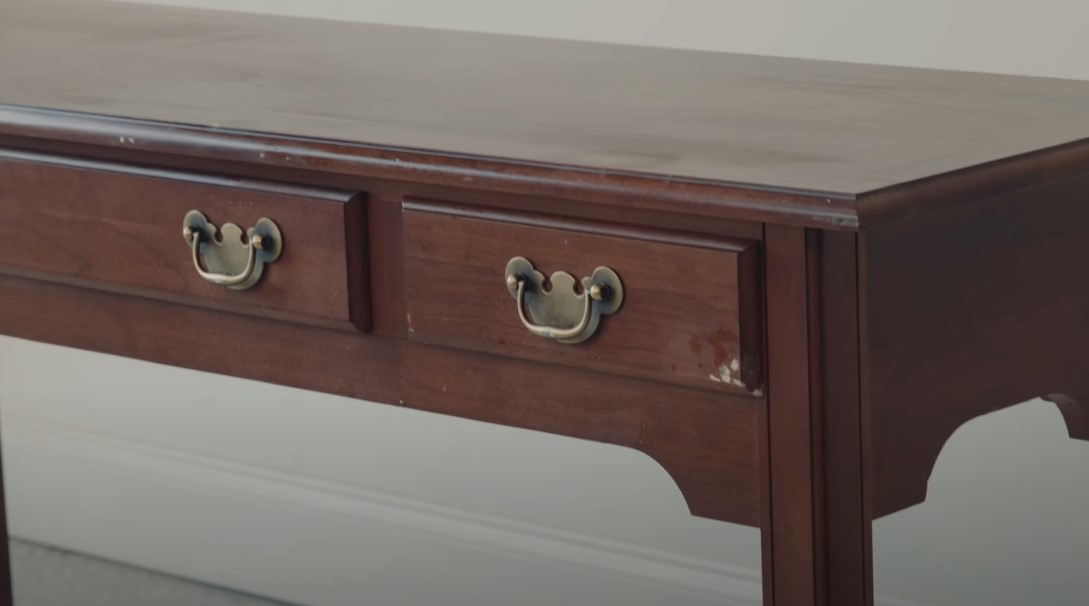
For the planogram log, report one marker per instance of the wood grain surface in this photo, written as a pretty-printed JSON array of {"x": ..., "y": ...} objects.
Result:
[
  {"x": 691, "y": 309},
  {"x": 844, "y": 129},
  {"x": 969, "y": 310},
  {"x": 817, "y": 534},
  {"x": 115, "y": 227}
]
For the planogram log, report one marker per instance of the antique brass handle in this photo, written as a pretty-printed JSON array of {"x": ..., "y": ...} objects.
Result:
[
  {"x": 231, "y": 262},
  {"x": 560, "y": 313}
]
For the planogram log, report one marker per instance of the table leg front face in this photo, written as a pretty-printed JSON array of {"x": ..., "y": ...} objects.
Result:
[{"x": 817, "y": 529}]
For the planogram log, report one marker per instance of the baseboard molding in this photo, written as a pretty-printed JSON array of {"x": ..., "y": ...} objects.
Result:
[
  {"x": 880, "y": 601},
  {"x": 46, "y": 462}
]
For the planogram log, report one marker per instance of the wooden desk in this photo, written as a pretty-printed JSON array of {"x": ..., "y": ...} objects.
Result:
[{"x": 825, "y": 268}]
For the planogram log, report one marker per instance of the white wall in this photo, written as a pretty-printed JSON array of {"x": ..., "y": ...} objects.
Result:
[
  {"x": 1033, "y": 37},
  {"x": 321, "y": 500},
  {"x": 1004, "y": 521}
]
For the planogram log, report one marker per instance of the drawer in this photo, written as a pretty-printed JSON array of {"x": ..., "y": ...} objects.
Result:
[
  {"x": 120, "y": 228},
  {"x": 689, "y": 314}
]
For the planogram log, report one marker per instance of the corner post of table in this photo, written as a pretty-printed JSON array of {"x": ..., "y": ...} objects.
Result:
[{"x": 817, "y": 525}]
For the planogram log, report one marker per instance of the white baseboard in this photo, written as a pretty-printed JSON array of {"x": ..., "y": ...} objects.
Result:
[{"x": 301, "y": 540}]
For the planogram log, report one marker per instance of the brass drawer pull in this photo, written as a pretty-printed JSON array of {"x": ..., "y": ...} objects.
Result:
[
  {"x": 231, "y": 262},
  {"x": 560, "y": 313}
]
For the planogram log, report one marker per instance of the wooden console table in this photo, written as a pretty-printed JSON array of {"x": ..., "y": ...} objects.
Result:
[{"x": 787, "y": 281}]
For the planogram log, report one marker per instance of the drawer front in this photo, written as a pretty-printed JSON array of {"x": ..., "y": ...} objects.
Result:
[
  {"x": 689, "y": 312},
  {"x": 120, "y": 228}
]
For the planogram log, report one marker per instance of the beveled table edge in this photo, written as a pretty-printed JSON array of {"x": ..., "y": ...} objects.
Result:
[{"x": 40, "y": 129}]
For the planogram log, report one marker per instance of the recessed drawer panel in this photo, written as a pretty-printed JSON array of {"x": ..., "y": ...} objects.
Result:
[
  {"x": 677, "y": 307},
  {"x": 120, "y": 228}
]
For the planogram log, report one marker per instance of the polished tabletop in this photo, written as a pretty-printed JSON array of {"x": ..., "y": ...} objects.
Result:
[{"x": 814, "y": 126}]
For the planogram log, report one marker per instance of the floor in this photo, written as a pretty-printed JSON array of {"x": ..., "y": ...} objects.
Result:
[{"x": 44, "y": 576}]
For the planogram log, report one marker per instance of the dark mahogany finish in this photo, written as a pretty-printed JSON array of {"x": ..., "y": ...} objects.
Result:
[
  {"x": 887, "y": 252},
  {"x": 992, "y": 309},
  {"x": 823, "y": 140},
  {"x": 52, "y": 226},
  {"x": 691, "y": 312}
]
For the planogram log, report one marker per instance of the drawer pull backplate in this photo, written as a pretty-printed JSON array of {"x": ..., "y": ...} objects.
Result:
[
  {"x": 231, "y": 262},
  {"x": 560, "y": 313}
]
